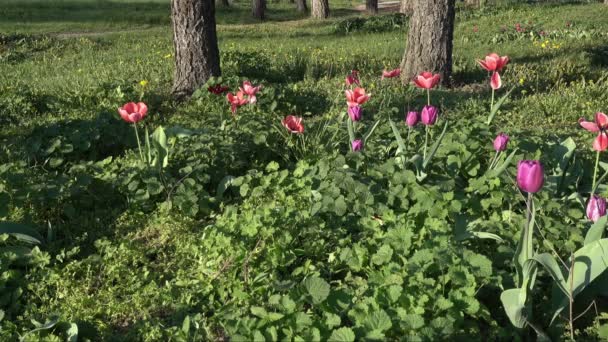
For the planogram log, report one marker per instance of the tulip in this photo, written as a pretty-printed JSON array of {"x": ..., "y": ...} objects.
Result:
[
  {"x": 412, "y": 118},
  {"x": 236, "y": 100},
  {"x": 493, "y": 62},
  {"x": 599, "y": 126},
  {"x": 250, "y": 91},
  {"x": 357, "y": 145},
  {"x": 391, "y": 73},
  {"x": 352, "y": 78},
  {"x": 427, "y": 80},
  {"x": 293, "y": 124},
  {"x": 133, "y": 112},
  {"x": 217, "y": 89},
  {"x": 530, "y": 175},
  {"x": 356, "y": 97},
  {"x": 596, "y": 208},
  {"x": 500, "y": 143},
  {"x": 429, "y": 115},
  {"x": 355, "y": 113},
  {"x": 495, "y": 81}
]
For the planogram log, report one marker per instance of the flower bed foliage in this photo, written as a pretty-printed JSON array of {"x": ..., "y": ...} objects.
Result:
[{"x": 295, "y": 199}]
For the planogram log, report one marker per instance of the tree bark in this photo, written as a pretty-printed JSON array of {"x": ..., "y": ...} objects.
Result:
[
  {"x": 301, "y": 6},
  {"x": 371, "y": 6},
  {"x": 257, "y": 8},
  {"x": 429, "y": 40},
  {"x": 320, "y": 9},
  {"x": 197, "y": 56},
  {"x": 406, "y": 7}
]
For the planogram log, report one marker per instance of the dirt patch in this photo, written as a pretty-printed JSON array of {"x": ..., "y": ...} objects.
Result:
[{"x": 383, "y": 6}]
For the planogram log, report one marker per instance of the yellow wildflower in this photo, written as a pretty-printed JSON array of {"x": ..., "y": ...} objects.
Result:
[{"x": 143, "y": 83}]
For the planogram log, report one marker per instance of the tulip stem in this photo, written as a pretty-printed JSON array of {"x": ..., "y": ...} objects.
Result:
[
  {"x": 407, "y": 141},
  {"x": 141, "y": 154},
  {"x": 426, "y": 139},
  {"x": 494, "y": 160},
  {"x": 492, "y": 102},
  {"x": 571, "y": 296},
  {"x": 597, "y": 160},
  {"x": 428, "y": 97}
]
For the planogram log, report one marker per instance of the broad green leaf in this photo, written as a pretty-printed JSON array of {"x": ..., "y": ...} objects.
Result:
[
  {"x": 596, "y": 230},
  {"x": 383, "y": 256},
  {"x": 159, "y": 141},
  {"x": 342, "y": 335},
  {"x": 21, "y": 232},
  {"x": 516, "y": 311},
  {"x": 186, "y": 325},
  {"x": 72, "y": 333},
  {"x": 434, "y": 148},
  {"x": 317, "y": 288},
  {"x": 378, "y": 320},
  {"x": 551, "y": 265},
  {"x": 224, "y": 184},
  {"x": 497, "y": 105},
  {"x": 563, "y": 154}
]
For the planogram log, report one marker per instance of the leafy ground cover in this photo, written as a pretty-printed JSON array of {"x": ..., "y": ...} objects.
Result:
[{"x": 235, "y": 229}]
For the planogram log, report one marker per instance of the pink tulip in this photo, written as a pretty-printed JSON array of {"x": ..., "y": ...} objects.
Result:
[
  {"x": 236, "y": 100},
  {"x": 355, "y": 113},
  {"x": 530, "y": 175},
  {"x": 500, "y": 143},
  {"x": 352, "y": 78},
  {"x": 412, "y": 118},
  {"x": 133, "y": 112},
  {"x": 495, "y": 81},
  {"x": 427, "y": 80},
  {"x": 250, "y": 91},
  {"x": 494, "y": 62},
  {"x": 293, "y": 124},
  {"x": 356, "y": 145},
  {"x": 596, "y": 208},
  {"x": 356, "y": 97},
  {"x": 429, "y": 115},
  {"x": 599, "y": 126},
  {"x": 391, "y": 73}
]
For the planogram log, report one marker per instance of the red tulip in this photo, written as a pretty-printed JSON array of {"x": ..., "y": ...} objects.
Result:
[
  {"x": 133, "y": 112},
  {"x": 236, "y": 100},
  {"x": 356, "y": 97},
  {"x": 599, "y": 126},
  {"x": 495, "y": 81},
  {"x": 217, "y": 89},
  {"x": 494, "y": 62},
  {"x": 352, "y": 78},
  {"x": 293, "y": 124},
  {"x": 391, "y": 73},
  {"x": 250, "y": 91},
  {"x": 427, "y": 80}
]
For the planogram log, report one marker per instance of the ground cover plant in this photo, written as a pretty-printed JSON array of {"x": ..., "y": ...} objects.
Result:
[{"x": 306, "y": 194}]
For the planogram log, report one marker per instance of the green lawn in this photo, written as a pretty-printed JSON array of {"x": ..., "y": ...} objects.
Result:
[{"x": 251, "y": 233}]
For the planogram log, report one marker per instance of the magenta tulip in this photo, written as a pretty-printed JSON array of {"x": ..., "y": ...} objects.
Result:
[
  {"x": 596, "y": 208},
  {"x": 356, "y": 145},
  {"x": 429, "y": 115},
  {"x": 412, "y": 118},
  {"x": 133, "y": 112},
  {"x": 500, "y": 143},
  {"x": 530, "y": 175},
  {"x": 355, "y": 113}
]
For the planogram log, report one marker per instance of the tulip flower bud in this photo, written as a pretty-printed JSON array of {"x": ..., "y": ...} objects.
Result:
[
  {"x": 429, "y": 115},
  {"x": 355, "y": 113},
  {"x": 500, "y": 143},
  {"x": 357, "y": 145},
  {"x": 530, "y": 175},
  {"x": 412, "y": 118},
  {"x": 495, "y": 81},
  {"x": 596, "y": 208}
]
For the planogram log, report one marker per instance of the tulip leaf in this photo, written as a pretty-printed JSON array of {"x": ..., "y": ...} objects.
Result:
[
  {"x": 497, "y": 105},
  {"x": 398, "y": 137},
  {"x": 551, "y": 265},
  {"x": 499, "y": 170},
  {"x": 370, "y": 132},
  {"x": 514, "y": 308},
  {"x": 589, "y": 263},
  {"x": 21, "y": 232},
  {"x": 596, "y": 230},
  {"x": 351, "y": 130},
  {"x": 525, "y": 249},
  {"x": 435, "y": 147},
  {"x": 159, "y": 140}
]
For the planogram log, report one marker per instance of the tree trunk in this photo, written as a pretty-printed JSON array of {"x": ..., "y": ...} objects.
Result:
[
  {"x": 406, "y": 7},
  {"x": 371, "y": 6},
  {"x": 320, "y": 9},
  {"x": 301, "y": 6},
  {"x": 257, "y": 8},
  {"x": 197, "y": 56},
  {"x": 429, "y": 40}
]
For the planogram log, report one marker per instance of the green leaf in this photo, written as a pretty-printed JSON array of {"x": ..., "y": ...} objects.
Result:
[
  {"x": 551, "y": 265},
  {"x": 351, "y": 129},
  {"x": 55, "y": 162},
  {"x": 72, "y": 333},
  {"x": 186, "y": 325},
  {"x": 397, "y": 135},
  {"x": 499, "y": 170},
  {"x": 224, "y": 184},
  {"x": 21, "y": 232},
  {"x": 516, "y": 311},
  {"x": 259, "y": 311},
  {"x": 159, "y": 141},
  {"x": 525, "y": 249},
  {"x": 434, "y": 148},
  {"x": 1, "y": 315},
  {"x": 596, "y": 230},
  {"x": 369, "y": 132},
  {"x": 48, "y": 325},
  {"x": 317, "y": 288},
  {"x": 340, "y": 206},
  {"x": 383, "y": 256},
  {"x": 342, "y": 335},
  {"x": 379, "y": 320},
  {"x": 497, "y": 105}
]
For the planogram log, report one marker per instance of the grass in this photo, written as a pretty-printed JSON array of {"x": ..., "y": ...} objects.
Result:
[{"x": 67, "y": 65}]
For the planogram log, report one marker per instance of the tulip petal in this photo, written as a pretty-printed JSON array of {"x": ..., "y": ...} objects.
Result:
[
  {"x": 601, "y": 142},
  {"x": 601, "y": 119},
  {"x": 142, "y": 108},
  {"x": 495, "y": 81},
  {"x": 588, "y": 125}
]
